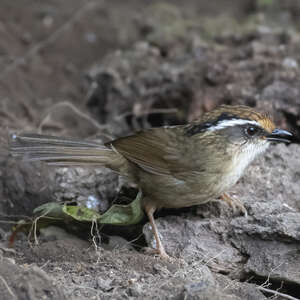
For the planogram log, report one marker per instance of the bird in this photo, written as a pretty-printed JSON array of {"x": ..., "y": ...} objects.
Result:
[{"x": 174, "y": 166}]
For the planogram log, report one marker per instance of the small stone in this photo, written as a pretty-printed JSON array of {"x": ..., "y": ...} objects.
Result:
[
  {"x": 48, "y": 21},
  {"x": 160, "y": 269},
  {"x": 290, "y": 63},
  {"x": 135, "y": 290},
  {"x": 204, "y": 288},
  {"x": 90, "y": 37},
  {"x": 104, "y": 284},
  {"x": 117, "y": 242}
]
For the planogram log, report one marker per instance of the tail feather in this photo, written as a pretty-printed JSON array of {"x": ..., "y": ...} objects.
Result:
[{"x": 61, "y": 151}]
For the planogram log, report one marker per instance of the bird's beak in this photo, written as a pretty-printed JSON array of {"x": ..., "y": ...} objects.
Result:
[{"x": 280, "y": 136}]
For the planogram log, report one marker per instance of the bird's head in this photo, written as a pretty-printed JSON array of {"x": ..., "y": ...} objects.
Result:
[{"x": 240, "y": 130}]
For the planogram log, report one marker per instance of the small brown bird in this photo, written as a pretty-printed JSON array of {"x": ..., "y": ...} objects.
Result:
[{"x": 174, "y": 166}]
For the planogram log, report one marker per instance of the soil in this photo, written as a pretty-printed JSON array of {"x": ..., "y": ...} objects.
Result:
[{"x": 103, "y": 69}]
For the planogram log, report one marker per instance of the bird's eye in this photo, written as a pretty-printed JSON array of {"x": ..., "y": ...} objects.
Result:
[{"x": 252, "y": 130}]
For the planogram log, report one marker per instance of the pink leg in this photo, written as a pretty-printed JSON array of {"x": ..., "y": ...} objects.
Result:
[{"x": 150, "y": 209}]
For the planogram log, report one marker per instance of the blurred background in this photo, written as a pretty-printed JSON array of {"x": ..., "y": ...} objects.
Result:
[{"x": 135, "y": 64}]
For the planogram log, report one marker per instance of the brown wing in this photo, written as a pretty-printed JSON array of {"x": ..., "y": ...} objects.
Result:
[{"x": 159, "y": 150}]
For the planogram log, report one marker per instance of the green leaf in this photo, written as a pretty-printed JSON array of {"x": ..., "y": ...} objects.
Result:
[
  {"x": 51, "y": 209},
  {"x": 116, "y": 215},
  {"x": 124, "y": 214},
  {"x": 81, "y": 213}
]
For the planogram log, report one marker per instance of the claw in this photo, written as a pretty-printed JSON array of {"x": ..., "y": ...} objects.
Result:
[
  {"x": 161, "y": 252},
  {"x": 235, "y": 204}
]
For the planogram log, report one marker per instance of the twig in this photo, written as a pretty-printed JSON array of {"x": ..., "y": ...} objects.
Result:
[
  {"x": 213, "y": 258},
  {"x": 94, "y": 226},
  {"x": 131, "y": 242},
  {"x": 34, "y": 227},
  {"x": 7, "y": 250},
  {"x": 267, "y": 282},
  {"x": 77, "y": 111},
  {"x": 276, "y": 293},
  {"x": 45, "y": 264},
  {"x": 37, "y": 47},
  {"x": 8, "y": 288}
]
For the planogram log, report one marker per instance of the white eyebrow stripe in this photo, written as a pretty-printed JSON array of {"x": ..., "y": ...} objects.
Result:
[{"x": 233, "y": 122}]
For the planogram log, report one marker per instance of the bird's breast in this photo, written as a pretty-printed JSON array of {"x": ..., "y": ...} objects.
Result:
[{"x": 240, "y": 161}]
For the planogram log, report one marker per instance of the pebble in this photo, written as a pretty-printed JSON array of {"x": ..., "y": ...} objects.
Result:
[{"x": 290, "y": 63}]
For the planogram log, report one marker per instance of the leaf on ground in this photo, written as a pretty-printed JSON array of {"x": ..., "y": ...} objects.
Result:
[
  {"x": 124, "y": 214},
  {"x": 116, "y": 215},
  {"x": 81, "y": 213},
  {"x": 51, "y": 209}
]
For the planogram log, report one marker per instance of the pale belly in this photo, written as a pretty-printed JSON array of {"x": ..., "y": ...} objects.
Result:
[
  {"x": 169, "y": 192},
  {"x": 182, "y": 191}
]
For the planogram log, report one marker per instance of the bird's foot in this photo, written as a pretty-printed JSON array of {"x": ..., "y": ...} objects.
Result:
[
  {"x": 235, "y": 204},
  {"x": 160, "y": 252}
]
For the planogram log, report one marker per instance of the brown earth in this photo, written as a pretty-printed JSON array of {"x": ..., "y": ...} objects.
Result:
[{"x": 106, "y": 68}]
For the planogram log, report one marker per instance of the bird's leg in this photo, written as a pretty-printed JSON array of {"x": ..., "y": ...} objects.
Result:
[
  {"x": 150, "y": 209},
  {"x": 234, "y": 203}
]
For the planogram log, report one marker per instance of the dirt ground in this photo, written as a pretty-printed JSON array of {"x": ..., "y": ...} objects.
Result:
[{"x": 103, "y": 69}]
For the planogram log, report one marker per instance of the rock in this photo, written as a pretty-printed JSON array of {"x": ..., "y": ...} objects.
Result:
[
  {"x": 271, "y": 184},
  {"x": 25, "y": 186},
  {"x": 52, "y": 233},
  {"x": 284, "y": 96},
  {"x": 135, "y": 290},
  {"x": 117, "y": 242},
  {"x": 280, "y": 226},
  {"x": 194, "y": 239},
  {"x": 271, "y": 259},
  {"x": 29, "y": 283},
  {"x": 90, "y": 187},
  {"x": 238, "y": 290},
  {"x": 205, "y": 285},
  {"x": 103, "y": 284},
  {"x": 289, "y": 62},
  {"x": 270, "y": 236},
  {"x": 205, "y": 288}
]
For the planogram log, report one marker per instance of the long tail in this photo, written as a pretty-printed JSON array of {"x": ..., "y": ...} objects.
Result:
[{"x": 63, "y": 151}]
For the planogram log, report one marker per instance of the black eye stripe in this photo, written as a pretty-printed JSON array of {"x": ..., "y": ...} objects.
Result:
[
  {"x": 192, "y": 130},
  {"x": 201, "y": 127}
]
